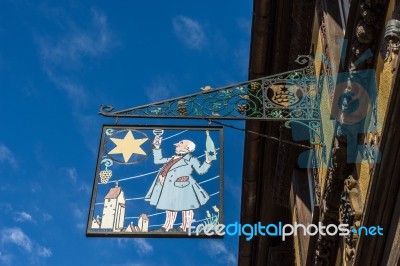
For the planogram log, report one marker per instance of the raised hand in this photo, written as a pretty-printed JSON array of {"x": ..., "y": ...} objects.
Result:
[
  {"x": 207, "y": 157},
  {"x": 157, "y": 142}
]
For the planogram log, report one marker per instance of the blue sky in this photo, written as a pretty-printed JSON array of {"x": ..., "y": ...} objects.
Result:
[{"x": 59, "y": 61}]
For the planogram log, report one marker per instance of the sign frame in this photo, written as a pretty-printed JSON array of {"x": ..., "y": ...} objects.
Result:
[{"x": 119, "y": 159}]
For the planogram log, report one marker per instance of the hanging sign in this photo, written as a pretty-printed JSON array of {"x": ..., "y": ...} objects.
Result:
[{"x": 157, "y": 181}]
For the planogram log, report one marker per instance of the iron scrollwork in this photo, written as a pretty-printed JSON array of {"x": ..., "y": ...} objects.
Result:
[{"x": 286, "y": 96}]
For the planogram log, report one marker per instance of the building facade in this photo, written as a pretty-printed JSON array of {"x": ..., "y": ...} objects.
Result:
[{"x": 353, "y": 177}]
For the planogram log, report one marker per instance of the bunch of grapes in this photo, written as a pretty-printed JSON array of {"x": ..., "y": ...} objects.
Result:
[
  {"x": 182, "y": 110},
  {"x": 241, "y": 108},
  {"x": 105, "y": 175},
  {"x": 255, "y": 86}
]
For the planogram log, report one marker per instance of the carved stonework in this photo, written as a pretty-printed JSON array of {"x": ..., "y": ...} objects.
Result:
[
  {"x": 365, "y": 32},
  {"x": 326, "y": 246},
  {"x": 350, "y": 213},
  {"x": 392, "y": 54},
  {"x": 392, "y": 41},
  {"x": 316, "y": 188},
  {"x": 341, "y": 200}
]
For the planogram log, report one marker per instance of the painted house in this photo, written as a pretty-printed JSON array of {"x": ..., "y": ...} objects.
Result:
[
  {"x": 96, "y": 222},
  {"x": 132, "y": 228},
  {"x": 114, "y": 209},
  {"x": 143, "y": 223}
]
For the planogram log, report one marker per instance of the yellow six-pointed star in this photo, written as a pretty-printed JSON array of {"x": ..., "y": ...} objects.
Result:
[{"x": 128, "y": 146}]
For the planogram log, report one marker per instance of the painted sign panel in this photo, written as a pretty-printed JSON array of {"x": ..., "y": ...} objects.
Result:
[{"x": 156, "y": 181}]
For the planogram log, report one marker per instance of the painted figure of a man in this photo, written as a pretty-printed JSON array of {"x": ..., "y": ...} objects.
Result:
[{"x": 174, "y": 189}]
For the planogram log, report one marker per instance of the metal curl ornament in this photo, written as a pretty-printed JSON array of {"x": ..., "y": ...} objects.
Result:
[{"x": 105, "y": 109}]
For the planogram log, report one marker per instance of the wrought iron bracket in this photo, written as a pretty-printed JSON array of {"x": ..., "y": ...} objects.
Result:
[
  {"x": 288, "y": 97},
  {"x": 285, "y": 96}
]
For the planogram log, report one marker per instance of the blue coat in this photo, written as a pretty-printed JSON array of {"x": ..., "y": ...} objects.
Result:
[{"x": 174, "y": 195}]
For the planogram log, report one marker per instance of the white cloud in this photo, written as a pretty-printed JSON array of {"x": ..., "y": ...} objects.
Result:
[
  {"x": 70, "y": 51},
  {"x": 35, "y": 187},
  {"x": 71, "y": 173},
  {"x": 161, "y": 88},
  {"x": 5, "y": 259},
  {"x": 79, "y": 42},
  {"x": 81, "y": 226},
  {"x": 44, "y": 252},
  {"x": 77, "y": 212},
  {"x": 122, "y": 242},
  {"x": 158, "y": 93},
  {"x": 74, "y": 90},
  {"x": 15, "y": 236},
  {"x": 6, "y": 207},
  {"x": 23, "y": 217},
  {"x": 142, "y": 246},
  {"x": 217, "y": 250},
  {"x": 85, "y": 188},
  {"x": 7, "y": 188},
  {"x": 190, "y": 32},
  {"x": 47, "y": 217},
  {"x": 62, "y": 56},
  {"x": 7, "y": 156}
]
